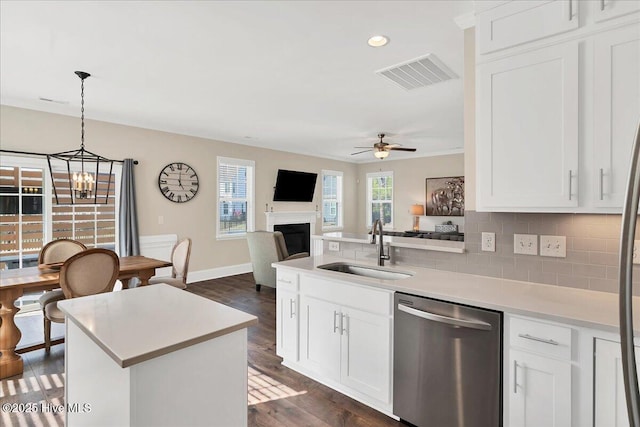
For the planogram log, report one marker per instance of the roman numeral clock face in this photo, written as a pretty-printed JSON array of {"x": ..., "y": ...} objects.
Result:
[{"x": 178, "y": 182}]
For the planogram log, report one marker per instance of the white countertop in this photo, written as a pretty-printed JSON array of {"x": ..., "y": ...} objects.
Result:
[
  {"x": 598, "y": 310},
  {"x": 396, "y": 241},
  {"x": 138, "y": 324}
]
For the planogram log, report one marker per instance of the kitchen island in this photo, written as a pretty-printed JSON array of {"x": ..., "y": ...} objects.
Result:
[{"x": 164, "y": 356}]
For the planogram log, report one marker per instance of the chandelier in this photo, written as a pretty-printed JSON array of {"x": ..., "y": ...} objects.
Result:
[{"x": 75, "y": 180}]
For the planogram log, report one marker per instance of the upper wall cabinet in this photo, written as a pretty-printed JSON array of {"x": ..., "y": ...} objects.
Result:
[
  {"x": 616, "y": 108},
  {"x": 608, "y": 9},
  {"x": 528, "y": 129},
  {"x": 557, "y": 109},
  {"x": 519, "y": 22}
]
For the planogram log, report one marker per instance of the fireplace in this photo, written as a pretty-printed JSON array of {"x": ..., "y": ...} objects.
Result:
[
  {"x": 305, "y": 218},
  {"x": 297, "y": 237}
]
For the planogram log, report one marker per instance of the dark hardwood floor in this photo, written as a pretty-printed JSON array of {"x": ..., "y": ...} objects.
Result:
[{"x": 278, "y": 396}]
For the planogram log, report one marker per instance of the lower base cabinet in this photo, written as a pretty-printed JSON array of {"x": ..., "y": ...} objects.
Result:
[
  {"x": 540, "y": 392},
  {"x": 609, "y": 398},
  {"x": 344, "y": 337},
  {"x": 348, "y": 345}
]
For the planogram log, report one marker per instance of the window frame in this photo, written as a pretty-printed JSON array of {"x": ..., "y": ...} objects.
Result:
[
  {"x": 369, "y": 194},
  {"x": 48, "y": 196},
  {"x": 250, "y": 199},
  {"x": 339, "y": 199}
]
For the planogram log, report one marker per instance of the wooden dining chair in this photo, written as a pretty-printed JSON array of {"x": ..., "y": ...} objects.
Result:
[
  {"x": 57, "y": 251},
  {"x": 90, "y": 272},
  {"x": 180, "y": 259}
]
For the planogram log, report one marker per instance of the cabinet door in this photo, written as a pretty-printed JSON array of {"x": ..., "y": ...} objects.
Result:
[
  {"x": 519, "y": 22},
  {"x": 366, "y": 353},
  {"x": 616, "y": 110},
  {"x": 607, "y": 9},
  {"x": 539, "y": 391},
  {"x": 320, "y": 336},
  {"x": 527, "y": 146},
  {"x": 287, "y": 326},
  {"x": 609, "y": 399}
]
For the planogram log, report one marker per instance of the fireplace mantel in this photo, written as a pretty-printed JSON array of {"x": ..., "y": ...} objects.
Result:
[{"x": 291, "y": 217}]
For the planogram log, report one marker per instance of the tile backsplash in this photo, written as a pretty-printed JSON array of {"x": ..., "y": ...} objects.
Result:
[{"x": 591, "y": 260}]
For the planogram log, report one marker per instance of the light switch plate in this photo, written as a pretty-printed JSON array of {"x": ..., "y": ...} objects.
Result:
[
  {"x": 636, "y": 254},
  {"x": 525, "y": 244},
  {"x": 488, "y": 241},
  {"x": 553, "y": 246},
  {"x": 334, "y": 246}
]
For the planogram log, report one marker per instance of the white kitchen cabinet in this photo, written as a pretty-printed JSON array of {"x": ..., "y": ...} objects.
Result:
[
  {"x": 616, "y": 109},
  {"x": 345, "y": 338},
  {"x": 366, "y": 353},
  {"x": 538, "y": 383},
  {"x": 607, "y": 9},
  {"x": 557, "y": 105},
  {"x": 609, "y": 398},
  {"x": 347, "y": 345},
  {"x": 320, "y": 337},
  {"x": 518, "y": 22},
  {"x": 527, "y": 134},
  {"x": 287, "y": 314},
  {"x": 540, "y": 391}
]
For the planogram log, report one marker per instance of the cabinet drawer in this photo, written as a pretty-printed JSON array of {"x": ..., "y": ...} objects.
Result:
[
  {"x": 360, "y": 297},
  {"x": 519, "y": 22},
  {"x": 543, "y": 338},
  {"x": 287, "y": 279}
]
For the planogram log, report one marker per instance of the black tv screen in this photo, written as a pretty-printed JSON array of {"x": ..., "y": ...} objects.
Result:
[{"x": 293, "y": 186}]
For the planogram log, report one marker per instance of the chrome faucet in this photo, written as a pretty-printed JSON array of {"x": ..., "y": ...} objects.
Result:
[{"x": 381, "y": 254}]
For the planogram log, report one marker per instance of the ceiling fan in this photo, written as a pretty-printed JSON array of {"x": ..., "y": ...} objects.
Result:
[{"x": 381, "y": 149}]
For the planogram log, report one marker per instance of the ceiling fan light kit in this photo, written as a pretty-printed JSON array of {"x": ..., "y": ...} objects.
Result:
[{"x": 381, "y": 149}]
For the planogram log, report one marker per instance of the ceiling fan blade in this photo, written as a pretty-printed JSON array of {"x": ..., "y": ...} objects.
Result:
[
  {"x": 401, "y": 149},
  {"x": 360, "y": 152},
  {"x": 369, "y": 147}
]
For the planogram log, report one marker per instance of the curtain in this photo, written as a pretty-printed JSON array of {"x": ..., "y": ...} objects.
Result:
[{"x": 128, "y": 216}]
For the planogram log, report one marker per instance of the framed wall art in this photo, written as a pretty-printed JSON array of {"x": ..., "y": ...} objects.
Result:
[{"x": 445, "y": 196}]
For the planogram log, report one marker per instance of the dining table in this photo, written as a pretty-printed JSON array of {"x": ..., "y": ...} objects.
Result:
[{"x": 14, "y": 283}]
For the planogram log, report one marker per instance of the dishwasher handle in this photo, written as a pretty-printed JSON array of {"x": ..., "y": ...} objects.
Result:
[{"x": 473, "y": 324}]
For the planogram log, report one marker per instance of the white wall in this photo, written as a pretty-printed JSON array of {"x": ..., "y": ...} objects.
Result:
[{"x": 33, "y": 131}]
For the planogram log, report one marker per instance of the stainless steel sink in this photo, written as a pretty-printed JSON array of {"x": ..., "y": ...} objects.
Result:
[{"x": 365, "y": 270}]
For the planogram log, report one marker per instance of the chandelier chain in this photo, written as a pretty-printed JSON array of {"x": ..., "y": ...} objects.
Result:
[{"x": 82, "y": 113}]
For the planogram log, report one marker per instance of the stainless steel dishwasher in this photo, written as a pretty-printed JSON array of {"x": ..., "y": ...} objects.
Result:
[{"x": 447, "y": 363}]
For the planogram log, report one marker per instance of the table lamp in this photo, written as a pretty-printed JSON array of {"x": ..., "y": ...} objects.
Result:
[{"x": 416, "y": 211}]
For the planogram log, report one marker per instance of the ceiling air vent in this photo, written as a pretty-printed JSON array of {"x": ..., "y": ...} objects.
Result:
[{"x": 419, "y": 72}]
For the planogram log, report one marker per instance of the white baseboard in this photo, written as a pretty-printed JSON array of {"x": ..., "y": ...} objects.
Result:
[{"x": 215, "y": 273}]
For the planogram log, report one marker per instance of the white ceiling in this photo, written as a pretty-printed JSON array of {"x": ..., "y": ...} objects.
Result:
[{"x": 295, "y": 75}]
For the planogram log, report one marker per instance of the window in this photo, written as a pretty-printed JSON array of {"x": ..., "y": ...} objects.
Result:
[
  {"x": 235, "y": 197},
  {"x": 29, "y": 218},
  {"x": 380, "y": 198},
  {"x": 331, "y": 200}
]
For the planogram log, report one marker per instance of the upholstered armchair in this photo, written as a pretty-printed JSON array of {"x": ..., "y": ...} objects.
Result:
[{"x": 266, "y": 247}]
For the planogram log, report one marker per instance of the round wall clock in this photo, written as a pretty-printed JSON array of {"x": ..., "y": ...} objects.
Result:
[{"x": 178, "y": 182}]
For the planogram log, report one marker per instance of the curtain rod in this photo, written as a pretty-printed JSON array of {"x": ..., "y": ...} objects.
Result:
[{"x": 135, "y": 162}]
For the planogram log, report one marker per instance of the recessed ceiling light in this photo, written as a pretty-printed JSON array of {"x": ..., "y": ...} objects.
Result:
[{"x": 378, "y": 41}]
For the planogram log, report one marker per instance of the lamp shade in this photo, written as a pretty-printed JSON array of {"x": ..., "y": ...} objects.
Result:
[{"x": 417, "y": 210}]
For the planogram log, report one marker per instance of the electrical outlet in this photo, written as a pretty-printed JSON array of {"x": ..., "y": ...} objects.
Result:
[
  {"x": 554, "y": 246},
  {"x": 160, "y": 220},
  {"x": 334, "y": 246},
  {"x": 526, "y": 244},
  {"x": 636, "y": 254},
  {"x": 488, "y": 241}
]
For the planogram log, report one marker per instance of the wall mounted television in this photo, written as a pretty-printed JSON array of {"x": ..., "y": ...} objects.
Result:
[{"x": 294, "y": 186}]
